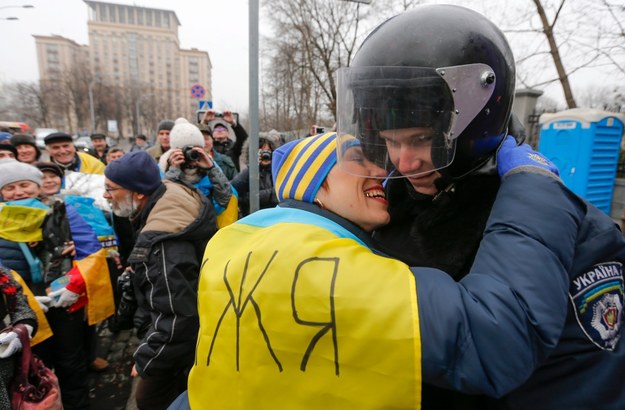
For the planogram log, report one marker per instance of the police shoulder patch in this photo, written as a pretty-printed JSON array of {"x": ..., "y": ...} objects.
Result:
[{"x": 597, "y": 297}]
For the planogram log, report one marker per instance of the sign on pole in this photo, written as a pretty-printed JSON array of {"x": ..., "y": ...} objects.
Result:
[
  {"x": 197, "y": 91},
  {"x": 203, "y": 105}
]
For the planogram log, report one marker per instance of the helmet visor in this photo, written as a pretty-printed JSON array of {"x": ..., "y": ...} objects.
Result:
[{"x": 406, "y": 118}]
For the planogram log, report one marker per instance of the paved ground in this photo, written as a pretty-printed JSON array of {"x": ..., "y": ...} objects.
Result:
[{"x": 111, "y": 389}]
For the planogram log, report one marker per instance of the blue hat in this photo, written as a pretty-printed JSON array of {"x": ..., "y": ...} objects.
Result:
[
  {"x": 299, "y": 167},
  {"x": 5, "y": 136},
  {"x": 136, "y": 171}
]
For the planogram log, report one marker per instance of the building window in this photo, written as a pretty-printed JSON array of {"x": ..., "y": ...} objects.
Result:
[
  {"x": 131, "y": 16},
  {"x": 148, "y": 18},
  {"x": 112, "y": 14},
  {"x": 157, "y": 18},
  {"x": 103, "y": 12}
]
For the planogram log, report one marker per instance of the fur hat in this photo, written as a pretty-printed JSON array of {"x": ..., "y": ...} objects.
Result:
[
  {"x": 23, "y": 139},
  {"x": 299, "y": 167},
  {"x": 165, "y": 125},
  {"x": 13, "y": 171},
  {"x": 185, "y": 134},
  {"x": 136, "y": 171}
]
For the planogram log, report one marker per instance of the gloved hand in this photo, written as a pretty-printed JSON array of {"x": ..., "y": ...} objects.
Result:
[
  {"x": 44, "y": 302},
  {"x": 512, "y": 158},
  {"x": 66, "y": 297},
  {"x": 10, "y": 342}
]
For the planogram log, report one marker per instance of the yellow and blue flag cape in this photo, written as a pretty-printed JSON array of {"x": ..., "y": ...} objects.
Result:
[
  {"x": 20, "y": 221},
  {"x": 299, "y": 313}
]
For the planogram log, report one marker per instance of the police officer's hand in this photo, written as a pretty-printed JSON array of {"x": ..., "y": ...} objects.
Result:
[{"x": 512, "y": 158}]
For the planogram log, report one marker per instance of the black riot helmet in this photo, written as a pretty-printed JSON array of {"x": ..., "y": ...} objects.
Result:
[{"x": 445, "y": 73}]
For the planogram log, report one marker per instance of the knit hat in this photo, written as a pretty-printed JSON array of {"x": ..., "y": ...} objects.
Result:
[
  {"x": 219, "y": 123},
  {"x": 13, "y": 171},
  {"x": 8, "y": 147},
  {"x": 51, "y": 167},
  {"x": 299, "y": 167},
  {"x": 5, "y": 136},
  {"x": 205, "y": 128},
  {"x": 185, "y": 134},
  {"x": 165, "y": 125},
  {"x": 57, "y": 137},
  {"x": 23, "y": 139},
  {"x": 136, "y": 171}
]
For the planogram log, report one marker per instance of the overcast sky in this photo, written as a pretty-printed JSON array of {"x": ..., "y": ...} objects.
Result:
[{"x": 217, "y": 26}]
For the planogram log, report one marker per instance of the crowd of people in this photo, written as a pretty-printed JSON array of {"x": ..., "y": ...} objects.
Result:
[{"x": 419, "y": 256}]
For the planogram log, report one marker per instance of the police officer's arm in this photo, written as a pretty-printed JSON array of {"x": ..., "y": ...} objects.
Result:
[{"x": 487, "y": 333}]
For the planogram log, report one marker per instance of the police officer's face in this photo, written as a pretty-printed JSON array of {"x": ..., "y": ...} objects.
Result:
[{"x": 410, "y": 152}]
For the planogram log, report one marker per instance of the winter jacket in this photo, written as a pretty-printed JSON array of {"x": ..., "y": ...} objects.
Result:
[
  {"x": 231, "y": 148},
  {"x": 266, "y": 193},
  {"x": 566, "y": 345},
  {"x": 173, "y": 228},
  {"x": 483, "y": 335}
]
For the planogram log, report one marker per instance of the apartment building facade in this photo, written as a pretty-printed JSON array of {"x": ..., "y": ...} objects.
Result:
[{"x": 136, "y": 51}]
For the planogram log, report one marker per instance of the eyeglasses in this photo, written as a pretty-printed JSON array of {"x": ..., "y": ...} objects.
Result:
[{"x": 109, "y": 189}]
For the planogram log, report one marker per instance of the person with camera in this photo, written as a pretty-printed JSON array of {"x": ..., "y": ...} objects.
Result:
[
  {"x": 222, "y": 125},
  {"x": 188, "y": 162},
  {"x": 172, "y": 222},
  {"x": 241, "y": 182}
]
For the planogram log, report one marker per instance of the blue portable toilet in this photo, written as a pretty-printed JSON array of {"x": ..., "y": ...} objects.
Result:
[{"x": 584, "y": 144}]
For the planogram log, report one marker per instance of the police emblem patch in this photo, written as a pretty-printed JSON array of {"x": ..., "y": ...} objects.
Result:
[{"x": 597, "y": 297}]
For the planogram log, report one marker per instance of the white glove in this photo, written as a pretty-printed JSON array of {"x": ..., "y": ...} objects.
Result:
[
  {"x": 10, "y": 342},
  {"x": 44, "y": 302},
  {"x": 65, "y": 297}
]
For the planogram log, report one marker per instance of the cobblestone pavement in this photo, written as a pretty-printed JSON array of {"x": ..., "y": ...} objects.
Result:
[{"x": 112, "y": 388}]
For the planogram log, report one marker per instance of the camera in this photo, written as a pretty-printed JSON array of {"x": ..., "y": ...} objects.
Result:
[
  {"x": 264, "y": 155},
  {"x": 320, "y": 130},
  {"x": 127, "y": 305},
  {"x": 190, "y": 154}
]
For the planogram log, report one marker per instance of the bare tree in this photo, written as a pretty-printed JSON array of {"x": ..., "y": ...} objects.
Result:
[
  {"x": 558, "y": 40},
  {"x": 313, "y": 39}
]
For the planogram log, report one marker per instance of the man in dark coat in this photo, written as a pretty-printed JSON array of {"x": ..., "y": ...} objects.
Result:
[{"x": 172, "y": 224}]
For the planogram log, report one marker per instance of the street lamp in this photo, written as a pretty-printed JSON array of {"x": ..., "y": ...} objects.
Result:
[{"x": 25, "y": 6}]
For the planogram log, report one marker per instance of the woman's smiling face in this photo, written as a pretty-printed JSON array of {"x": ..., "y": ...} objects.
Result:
[{"x": 359, "y": 199}]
